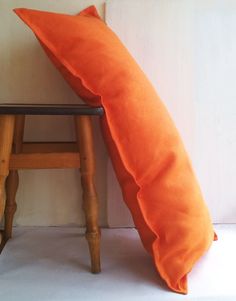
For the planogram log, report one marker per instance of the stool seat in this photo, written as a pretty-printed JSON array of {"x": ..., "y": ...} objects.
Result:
[
  {"x": 16, "y": 154},
  {"x": 49, "y": 109}
]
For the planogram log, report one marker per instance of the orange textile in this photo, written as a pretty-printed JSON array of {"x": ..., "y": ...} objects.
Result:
[{"x": 153, "y": 169}]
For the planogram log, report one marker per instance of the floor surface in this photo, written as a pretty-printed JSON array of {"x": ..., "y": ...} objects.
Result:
[{"x": 53, "y": 264}]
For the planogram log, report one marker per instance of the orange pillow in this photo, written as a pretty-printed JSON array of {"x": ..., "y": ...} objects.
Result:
[{"x": 153, "y": 169}]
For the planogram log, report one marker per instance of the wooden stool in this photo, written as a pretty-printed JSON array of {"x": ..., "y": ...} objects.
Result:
[{"x": 16, "y": 154}]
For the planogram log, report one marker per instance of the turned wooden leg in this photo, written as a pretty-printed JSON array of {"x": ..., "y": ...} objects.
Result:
[
  {"x": 6, "y": 138},
  {"x": 12, "y": 181},
  {"x": 90, "y": 199}
]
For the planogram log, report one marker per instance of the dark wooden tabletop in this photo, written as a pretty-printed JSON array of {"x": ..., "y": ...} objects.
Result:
[{"x": 49, "y": 109}]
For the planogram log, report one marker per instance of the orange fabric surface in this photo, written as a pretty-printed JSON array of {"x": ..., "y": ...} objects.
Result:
[{"x": 153, "y": 169}]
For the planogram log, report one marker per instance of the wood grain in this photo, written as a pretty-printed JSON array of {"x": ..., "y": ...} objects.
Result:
[
  {"x": 6, "y": 138},
  {"x": 49, "y": 147},
  {"x": 90, "y": 199},
  {"x": 44, "y": 161},
  {"x": 12, "y": 181}
]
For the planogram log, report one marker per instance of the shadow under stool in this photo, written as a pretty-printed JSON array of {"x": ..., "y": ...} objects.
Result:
[{"x": 16, "y": 154}]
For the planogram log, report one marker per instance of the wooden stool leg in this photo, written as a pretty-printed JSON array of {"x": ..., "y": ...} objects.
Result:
[
  {"x": 12, "y": 181},
  {"x": 6, "y": 138},
  {"x": 90, "y": 199}
]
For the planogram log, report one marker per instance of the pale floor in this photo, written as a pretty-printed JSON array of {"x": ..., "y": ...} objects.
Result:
[{"x": 53, "y": 264}]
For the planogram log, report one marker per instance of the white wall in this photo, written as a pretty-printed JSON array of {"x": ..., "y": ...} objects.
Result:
[
  {"x": 46, "y": 197},
  {"x": 187, "y": 48}
]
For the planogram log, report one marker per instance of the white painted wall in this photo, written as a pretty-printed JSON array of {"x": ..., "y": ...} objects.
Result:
[
  {"x": 187, "y": 48},
  {"x": 46, "y": 197}
]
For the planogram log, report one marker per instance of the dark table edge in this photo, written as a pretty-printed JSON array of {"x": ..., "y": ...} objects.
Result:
[{"x": 10, "y": 110}]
